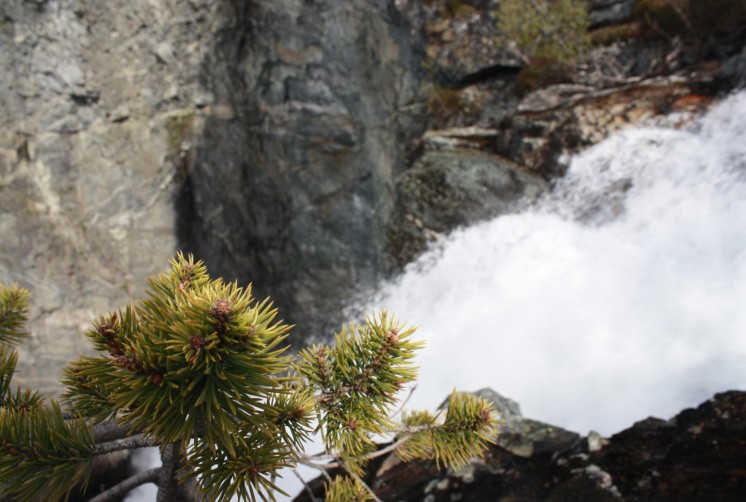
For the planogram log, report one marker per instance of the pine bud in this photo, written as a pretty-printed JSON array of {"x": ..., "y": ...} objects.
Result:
[
  {"x": 156, "y": 379},
  {"x": 221, "y": 310},
  {"x": 197, "y": 342},
  {"x": 485, "y": 415},
  {"x": 254, "y": 471},
  {"x": 392, "y": 336}
]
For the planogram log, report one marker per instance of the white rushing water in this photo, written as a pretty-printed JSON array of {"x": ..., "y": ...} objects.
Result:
[{"x": 621, "y": 295}]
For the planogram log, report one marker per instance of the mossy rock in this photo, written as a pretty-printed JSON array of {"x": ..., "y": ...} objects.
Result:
[{"x": 178, "y": 129}]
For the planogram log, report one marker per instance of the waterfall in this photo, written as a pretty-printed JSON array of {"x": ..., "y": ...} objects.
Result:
[{"x": 621, "y": 295}]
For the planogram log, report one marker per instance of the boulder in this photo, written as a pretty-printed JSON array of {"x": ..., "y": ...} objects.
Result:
[
  {"x": 697, "y": 455},
  {"x": 452, "y": 185}
]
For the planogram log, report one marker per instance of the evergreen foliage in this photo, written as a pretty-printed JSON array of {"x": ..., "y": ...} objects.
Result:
[
  {"x": 546, "y": 29},
  {"x": 200, "y": 369},
  {"x": 549, "y": 35}
]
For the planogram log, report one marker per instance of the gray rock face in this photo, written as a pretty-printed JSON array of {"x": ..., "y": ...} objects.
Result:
[
  {"x": 293, "y": 189},
  {"x": 89, "y": 157},
  {"x": 309, "y": 147},
  {"x": 452, "y": 187}
]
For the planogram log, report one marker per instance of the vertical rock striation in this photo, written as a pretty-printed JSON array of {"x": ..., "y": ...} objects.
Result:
[
  {"x": 96, "y": 100},
  {"x": 292, "y": 186},
  {"x": 262, "y": 135}
]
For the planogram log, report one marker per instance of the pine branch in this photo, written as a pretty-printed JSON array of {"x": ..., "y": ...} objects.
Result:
[
  {"x": 166, "y": 477},
  {"x": 121, "y": 444},
  {"x": 118, "y": 491},
  {"x": 199, "y": 368},
  {"x": 308, "y": 489},
  {"x": 13, "y": 313},
  {"x": 365, "y": 485}
]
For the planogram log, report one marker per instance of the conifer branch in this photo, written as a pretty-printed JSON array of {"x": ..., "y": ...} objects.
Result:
[
  {"x": 132, "y": 443},
  {"x": 364, "y": 484},
  {"x": 118, "y": 491},
  {"x": 13, "y": 313},
  {"x": 199, "y": 368},
  {"x": 166, "y": 481},
  {"x": 308, "y": 489}
]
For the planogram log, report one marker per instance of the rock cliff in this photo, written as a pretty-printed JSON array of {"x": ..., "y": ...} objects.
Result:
[
  {"x": 311, "y": 147},
  {"x": 292, "y": 191},
  {"x": 96, "y": 103}
]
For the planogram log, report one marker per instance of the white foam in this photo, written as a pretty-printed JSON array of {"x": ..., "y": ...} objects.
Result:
[{"x": 622, "y": 295}]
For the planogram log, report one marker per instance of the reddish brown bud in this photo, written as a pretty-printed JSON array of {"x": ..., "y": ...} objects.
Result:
[
  {"x": 254, "y": 471},
  {"x": 221, "y": 310},
  {"x": 25, "y": 407},
  {"x": 126, "y": 362},
  {"x": 392, "y": 336},
  {"x": 352, "y": 424},
  {"x": 485, "y": 415},
  {"x": 156, "y": 379},
  {"x": 197, "y": 342}
]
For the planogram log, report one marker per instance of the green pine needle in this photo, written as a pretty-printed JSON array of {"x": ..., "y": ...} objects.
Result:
[
  {"x": 42, "y": 455},
  {"x": 202, "y": 364},
  {"x": 346, "y": 489},
  {"x": 13, "y": 313}
]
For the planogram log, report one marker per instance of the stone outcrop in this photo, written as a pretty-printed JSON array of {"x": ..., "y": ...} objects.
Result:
[
  {"x": 96, "y": 103},
  {"x": 265, "y": 137},
  {"x": 697, "y": 455},
  {"x": 293, "y": 190},
  {"x": 312, "y": 148},
  {"x": 452, "y": 185}
]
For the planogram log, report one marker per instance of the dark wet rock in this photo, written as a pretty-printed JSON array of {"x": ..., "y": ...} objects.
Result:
[
  {"x": 699, "y": 455},
  {"x": 557, "y": 121},
  {"x": 451, "y": 186},
  {"x": 732, "y": 75},
  {"x": 294, "y": 189}
]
